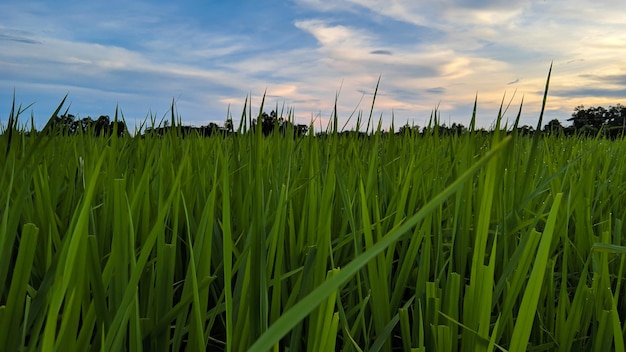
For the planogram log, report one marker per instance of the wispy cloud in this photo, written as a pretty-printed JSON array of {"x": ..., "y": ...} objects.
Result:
[
  {"x": 381, "y": 52},
  {"x": 513, "y": 82},
  {"x": 19, "y": 36}
]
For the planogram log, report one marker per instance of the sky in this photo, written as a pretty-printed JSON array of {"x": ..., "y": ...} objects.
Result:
[{"x": 210, "y": 56}]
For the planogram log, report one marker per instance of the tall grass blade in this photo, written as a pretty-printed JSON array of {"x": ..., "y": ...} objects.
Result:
[{"x": 528, "y": 307}]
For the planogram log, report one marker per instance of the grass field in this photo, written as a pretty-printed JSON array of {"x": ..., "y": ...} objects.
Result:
[{"x": 390, "y": 242}]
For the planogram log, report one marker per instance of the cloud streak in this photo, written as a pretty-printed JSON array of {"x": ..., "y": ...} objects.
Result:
[{"x": 17, "y": 36}]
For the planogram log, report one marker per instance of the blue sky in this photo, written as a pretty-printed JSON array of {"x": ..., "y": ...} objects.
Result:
[{"x": 209, "y": 55}]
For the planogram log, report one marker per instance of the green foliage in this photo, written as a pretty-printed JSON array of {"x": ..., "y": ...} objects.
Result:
[
  {"x": 611, "y": 121},
  {"x": 68, "y": 124},
  {"x": 450, "y": 242}
]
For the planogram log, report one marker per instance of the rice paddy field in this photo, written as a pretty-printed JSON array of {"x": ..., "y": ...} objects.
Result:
[{"x": 470, "y": 242}]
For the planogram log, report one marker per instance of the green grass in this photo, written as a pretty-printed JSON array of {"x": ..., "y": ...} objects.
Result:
[{"x": 391, "y": 242}]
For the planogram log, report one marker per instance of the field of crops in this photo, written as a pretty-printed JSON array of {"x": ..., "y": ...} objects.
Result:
[{"x": 389, "y": 242}]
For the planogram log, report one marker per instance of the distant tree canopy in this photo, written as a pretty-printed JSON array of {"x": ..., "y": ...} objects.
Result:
[
  {"x": 205, "y": 131},
  {"x": 591, "y": 120},
  {"x": 272, "y": 122},
  {"x": 455, "y": 128},
  {"x": 611, "y": 122},
  {"x": 554, "y": 126},
  {"x": 69, "y": 124}
]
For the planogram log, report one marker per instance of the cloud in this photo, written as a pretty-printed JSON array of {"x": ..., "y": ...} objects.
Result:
[
  {"x": 436, "y": 90},
  {"x": 381, "y": 52},
  {"x": 604, "y": 93},
  {"x": 332, "y": 35},
  {"x": 612, "y": 79},
  {"x": 17, "y": 36}
]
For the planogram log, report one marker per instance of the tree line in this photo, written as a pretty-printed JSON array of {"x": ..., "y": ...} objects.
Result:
[
  {"x": 68, "y": 124},
  {"x": 592, "y": 121}
]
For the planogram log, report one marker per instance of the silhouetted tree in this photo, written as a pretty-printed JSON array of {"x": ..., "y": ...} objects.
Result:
[
  {"x": 589, "y": 121},
  {"x": 457, "y": 128},
  {"x": 526, "y": 130},
  {"x": 271, "y": 123},
  {"x": 300, "y": 130},
  {"x": 408, "y": 129},
  {"x": 268, "y": 122},
  {"x": 594, "y": 117},
  {"x": 67, "y": 124},
  {"x": 64, "y": 124},
  {"x": 229, "y": 126},
  {"x": 553, "y": 127},
  {"x": 616, "y": 116},
  {"x": 101, "y": 125}
]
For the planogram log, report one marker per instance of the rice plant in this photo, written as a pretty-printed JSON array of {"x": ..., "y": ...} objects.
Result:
[{"x": 251, "y": 242}]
